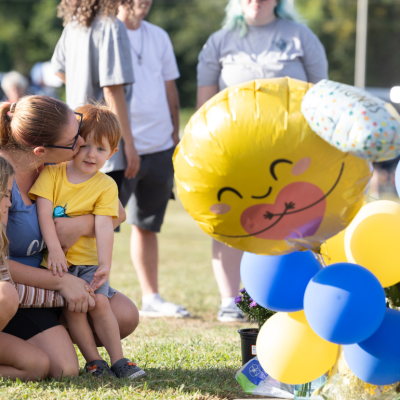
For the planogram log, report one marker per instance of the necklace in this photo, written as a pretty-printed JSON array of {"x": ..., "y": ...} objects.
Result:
[{"x": 140, "y": 54}]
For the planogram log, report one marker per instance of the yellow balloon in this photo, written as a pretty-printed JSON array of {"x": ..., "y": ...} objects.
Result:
[
  {"x": 291, "y": 352},
  {"x": 373, "y": 240},
  {"x": 254, "y": 175},
  {"x": 333, "y": 249}
]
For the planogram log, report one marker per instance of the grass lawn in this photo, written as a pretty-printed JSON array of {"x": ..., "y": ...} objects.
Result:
[{"x": 184, "y": 359}]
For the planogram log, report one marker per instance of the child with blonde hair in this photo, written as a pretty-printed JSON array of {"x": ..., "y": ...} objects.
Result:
[
  {"x": 18, "y": 358},
  {"x": 74, "y": 188}
]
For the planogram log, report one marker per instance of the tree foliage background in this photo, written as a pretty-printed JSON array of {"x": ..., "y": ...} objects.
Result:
[{"x": 29, "y": 30}]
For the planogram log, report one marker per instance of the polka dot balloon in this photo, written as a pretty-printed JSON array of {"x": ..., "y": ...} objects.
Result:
[{"x": 353, "y": 121}]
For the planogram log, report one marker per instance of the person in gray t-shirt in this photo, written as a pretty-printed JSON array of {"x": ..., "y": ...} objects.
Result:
[
  {"x": 93, "y": 59},
  {"x": 259, "y": 39}
]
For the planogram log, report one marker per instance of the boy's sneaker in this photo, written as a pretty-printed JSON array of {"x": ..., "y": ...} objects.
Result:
[
  {"x": 98, "y": 368},
  {"x": 125, "y": 368},
  {"x": 231, "y": 314}
]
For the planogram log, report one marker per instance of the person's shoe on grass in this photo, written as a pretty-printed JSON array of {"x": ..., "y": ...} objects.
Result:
[
  {"x": 98, "y": 368},
  {"x": 155, "y": 306},
  {"x": 125, "y": 368},
  {"x": 229, "y": 312}
]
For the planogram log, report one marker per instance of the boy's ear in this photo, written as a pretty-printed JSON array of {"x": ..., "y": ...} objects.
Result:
[{"x": 112, "y": 153}]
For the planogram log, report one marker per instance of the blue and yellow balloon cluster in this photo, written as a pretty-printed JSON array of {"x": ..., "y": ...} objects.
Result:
[
  {"x": 275, "y": 168},
  {"x": 342, "y": 304}
]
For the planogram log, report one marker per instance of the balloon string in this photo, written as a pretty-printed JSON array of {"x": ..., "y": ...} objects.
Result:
[
  {"x": 373, "y": 198},
  {"x": 320, "y": 259}
]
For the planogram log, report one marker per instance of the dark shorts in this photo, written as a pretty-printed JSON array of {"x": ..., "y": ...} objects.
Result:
[
  {"x": 148, "y": 193},
  {"x": 118, "y": 177},
  {"x": 28, "y": 322}
]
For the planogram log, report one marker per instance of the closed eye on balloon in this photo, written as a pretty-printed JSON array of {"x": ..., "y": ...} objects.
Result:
[
  {"x": 265, "y": 195},
  {"x": 228, "y": 189},
  {"x": 275, "y": 163}
]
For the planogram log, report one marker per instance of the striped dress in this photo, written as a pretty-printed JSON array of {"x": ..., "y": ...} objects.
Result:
[{"x": 31, "y": 297}]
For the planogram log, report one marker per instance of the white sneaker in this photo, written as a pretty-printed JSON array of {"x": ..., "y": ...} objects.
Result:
[
  {"x": 231, "y": 314},
  {"x": 164, "y": 309}
]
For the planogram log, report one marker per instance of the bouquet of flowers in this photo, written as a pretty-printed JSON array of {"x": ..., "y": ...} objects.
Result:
[{"x": 253, "y": 311}]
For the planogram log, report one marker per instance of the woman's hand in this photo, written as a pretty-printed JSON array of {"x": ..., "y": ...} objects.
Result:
[
  {"x": 77, "y": 292},
  {"x": 69, "y": 230}
]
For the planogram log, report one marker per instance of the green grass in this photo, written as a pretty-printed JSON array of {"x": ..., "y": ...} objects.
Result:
[{"x": 184, "y": 359}]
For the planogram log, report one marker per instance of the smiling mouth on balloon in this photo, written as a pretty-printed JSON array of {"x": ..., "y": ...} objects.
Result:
[{"x": 288, "y": 211}]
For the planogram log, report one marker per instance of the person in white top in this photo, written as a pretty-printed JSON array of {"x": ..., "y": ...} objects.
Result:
[{"x": 154, "y": 117}]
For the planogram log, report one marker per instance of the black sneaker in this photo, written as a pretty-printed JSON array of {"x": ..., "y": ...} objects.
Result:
[
  {"x": 125, "y": 368},
  {"x": 98, "y": 368},
  {"x": 230, "y": 314}
]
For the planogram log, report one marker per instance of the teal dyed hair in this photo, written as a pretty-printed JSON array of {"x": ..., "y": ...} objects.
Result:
[{"x": 234, "y": 18}]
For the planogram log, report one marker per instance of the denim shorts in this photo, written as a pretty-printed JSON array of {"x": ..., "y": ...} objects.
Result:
[{"x": 86, "y": 272}]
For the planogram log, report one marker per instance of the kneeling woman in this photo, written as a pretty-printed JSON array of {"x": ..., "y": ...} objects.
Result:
[{"x": 35, "y": 131}]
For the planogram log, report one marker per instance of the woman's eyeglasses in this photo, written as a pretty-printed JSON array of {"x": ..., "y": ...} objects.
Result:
[{"x": 76, "y": 137}]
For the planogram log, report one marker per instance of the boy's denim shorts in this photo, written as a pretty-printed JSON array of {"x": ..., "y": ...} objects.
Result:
[{"x": 86, "y": 272}]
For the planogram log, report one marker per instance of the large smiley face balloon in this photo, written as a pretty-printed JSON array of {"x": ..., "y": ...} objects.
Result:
[{"x": 255, "y": 176}]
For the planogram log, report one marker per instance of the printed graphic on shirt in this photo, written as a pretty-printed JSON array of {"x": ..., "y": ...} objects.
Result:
[
  {"x": 281, "y": 44},
  {"x": 60, "y": 211}
]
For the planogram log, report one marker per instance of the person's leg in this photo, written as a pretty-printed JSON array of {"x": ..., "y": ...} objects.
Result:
[
  {"x": 226, "y": 266},
  {"x": 124, "y": 310},
  {"x": 146, "y": 212},
  {"x": 126, "y": 313},
  {"x": 18, "y": 359},
  {"x": 57, "y": 344},
  {"x": 22, "y": 360},
  {"x": 82, "y": 333},
  {"x": 106, "y": 327},
  {"x": 144, "y": 254},
  {"x": 8, "y": 303}
]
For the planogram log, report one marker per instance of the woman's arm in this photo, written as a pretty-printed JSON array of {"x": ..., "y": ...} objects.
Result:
[
  {"x": 75, "y": 290},
  {"x": 69, "y": 230},
  {"x": 56, "y": 259},
  {"x": 204, "y": 93}
]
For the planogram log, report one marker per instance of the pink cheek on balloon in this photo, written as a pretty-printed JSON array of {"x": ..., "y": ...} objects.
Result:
[
  {"x": 301, "y": 166},
  {"x": 220, "y": 208}
]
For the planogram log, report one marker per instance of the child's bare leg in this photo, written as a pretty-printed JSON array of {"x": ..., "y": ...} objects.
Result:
[
  {"x": 106, "y": 327},
  {"x": 82, "y": 333}
]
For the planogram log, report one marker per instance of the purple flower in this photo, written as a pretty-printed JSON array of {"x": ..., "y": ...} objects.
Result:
[
  {"x": 238, "y": 299},
  {"x": 253, "y": 304},
  {"x": 242, "y": 290},
  {"x": 250, "y": 299}
]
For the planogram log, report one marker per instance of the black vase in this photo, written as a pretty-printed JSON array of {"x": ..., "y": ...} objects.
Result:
[{"x": 248, "y": 338}]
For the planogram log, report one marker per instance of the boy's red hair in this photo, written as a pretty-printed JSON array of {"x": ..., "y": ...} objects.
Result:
[{"x": 102, "y": 121}]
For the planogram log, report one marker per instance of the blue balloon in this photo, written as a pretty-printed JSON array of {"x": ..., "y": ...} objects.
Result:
[
  {"x": 377, "y": 359},
  {"x": 397, "y": 179},
  {"x": 278, "y": 282},
  {"x": 344, "y": 303}
]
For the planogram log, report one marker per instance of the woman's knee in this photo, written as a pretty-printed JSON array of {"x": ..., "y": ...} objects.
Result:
[
  {"x": 39, "y": 367},
  {"x": 9, "y": 300},
  {"x": 126, "y": 313},
  {"x": 64, "y": 370}
]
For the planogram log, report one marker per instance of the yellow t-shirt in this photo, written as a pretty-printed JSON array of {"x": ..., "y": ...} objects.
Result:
[{"x": 98, "y": 196}]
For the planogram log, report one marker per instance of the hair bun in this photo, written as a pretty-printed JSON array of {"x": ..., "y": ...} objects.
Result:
[{"x": 13, "y": 107}]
